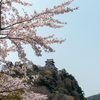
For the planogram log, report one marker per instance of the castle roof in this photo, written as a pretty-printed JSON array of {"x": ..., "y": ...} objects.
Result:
[{"x": 50, "y": 60}]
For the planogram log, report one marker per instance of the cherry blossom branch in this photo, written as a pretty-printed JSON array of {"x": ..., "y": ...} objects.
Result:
[
  {"x": 23, "y": 29},
  {"x": 6, "y": 37},
  {"x": 37, "y": 15}
]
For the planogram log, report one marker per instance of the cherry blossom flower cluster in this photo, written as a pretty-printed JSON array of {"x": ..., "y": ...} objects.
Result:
[
  {"x": 21, "y": 30},
  {"x": 8, "y": 84},
  {"x": 33, "y": 96}
]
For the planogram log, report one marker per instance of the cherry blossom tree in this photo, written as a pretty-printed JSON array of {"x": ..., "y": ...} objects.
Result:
[
  {"x": 33, "y": 96},
  {"x": 8, "y": 85},
  {"x": 21, "y": 30}
]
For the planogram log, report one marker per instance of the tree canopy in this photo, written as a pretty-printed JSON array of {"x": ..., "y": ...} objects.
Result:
[{"x": 22, "y": 29}]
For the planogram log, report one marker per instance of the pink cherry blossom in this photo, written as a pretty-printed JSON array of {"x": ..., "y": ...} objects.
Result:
[{"x": 21, "y": 30}]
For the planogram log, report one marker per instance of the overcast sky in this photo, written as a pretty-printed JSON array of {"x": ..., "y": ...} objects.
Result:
[{"x": 80, "y": 53}]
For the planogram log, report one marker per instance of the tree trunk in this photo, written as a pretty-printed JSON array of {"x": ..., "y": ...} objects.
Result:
[{"x": 0, "y": 14}]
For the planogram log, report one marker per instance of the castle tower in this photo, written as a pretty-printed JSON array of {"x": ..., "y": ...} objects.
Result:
[{"x": 50, "y": 64}]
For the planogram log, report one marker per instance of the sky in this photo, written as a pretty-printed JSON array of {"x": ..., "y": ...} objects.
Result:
[{"x": 80, "y": 53}]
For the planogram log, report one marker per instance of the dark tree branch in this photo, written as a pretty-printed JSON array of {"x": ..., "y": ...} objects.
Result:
[{"x": 23, "y": 21}]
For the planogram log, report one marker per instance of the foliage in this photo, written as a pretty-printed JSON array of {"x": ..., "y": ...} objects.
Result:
[
  {"x": 40, "y": 89},
  {"x": 30, "y": 72},
  {"x": 48, "y": 72},
  {"x": 59, "y": 97},
  {"x": 47, "y": 81},
  {"x": 16, "y": 95},
  {"x": 1, "y": 75},
  {"x": 17, "y": 74},
  {"x": 35, "y": 68},
  {"x": 60, "y": 82},
  {"x": 56, "y": 84},
  {"x": 94, "y": 97}
]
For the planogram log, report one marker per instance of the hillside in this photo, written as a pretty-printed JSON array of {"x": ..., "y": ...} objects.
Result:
[
  {"x": 46, "y": 83},
  {"x": 94, "y": 97}
]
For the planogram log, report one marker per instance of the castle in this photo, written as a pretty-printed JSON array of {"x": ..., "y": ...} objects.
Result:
[{"x": 50, "y": 64}]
